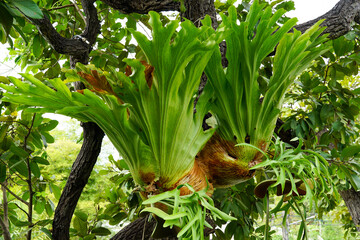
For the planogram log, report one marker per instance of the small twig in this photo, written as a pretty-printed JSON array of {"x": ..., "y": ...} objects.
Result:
[
  {"x": 57, "y": 8},
  {"x": 10, "y": 121},
  {"x": 29, "y": 181},
  {"x": 105, "y": 9},
  {"x": 15, "y": 195},
  {"x": 22, "y": 209}
]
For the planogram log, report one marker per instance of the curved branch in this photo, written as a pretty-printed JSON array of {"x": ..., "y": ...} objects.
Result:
[
  {"x": 80, "y": 47},
  {"x": 338, "y": 20}
]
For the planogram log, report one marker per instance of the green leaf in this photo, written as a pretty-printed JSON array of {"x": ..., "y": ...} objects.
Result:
[
  {"x": 4, "y": 80},
  {"x": 355, "y": 179},
  {"x": 48, "y": 138},
  {"x": 80, "y": 226},
  {"x": 326, "y": 112},
  {"x": 49, "y": 209},
  {"x": 40, "y": 160},
  {"x": 19, "y": 151},
  {"x": 17, "y": 222},
  {"x": 101, "y": 231},
  {"x": 342, "y": 46},
  {"x": 39, "y": 205},
  {"x": 47, "y": 232},
  {"x": 117, "y": 218},
  {"x": 350, "y": 151},
  {"x": 83, "y": 216},
  {"x": 90, "y": 237},
  {"x": 35, "y": 169},
  {"x": 48, "y": 126},
  {"x": 18, "y": 164},
  {"x": 6, "y": 20},
  {"x": 29, "y": 8},
  {"x": 37, "y": 48},
  {"x": 55, "y": 190},
  {"x": 2, "y": 172},
  {"x": 319, "y": 89}
]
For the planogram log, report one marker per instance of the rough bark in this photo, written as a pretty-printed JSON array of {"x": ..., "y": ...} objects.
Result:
[
  {"x": 352, "y": 201},
  {"x": 338, "y": 20},
  {"x": 78, "y": 47},
  {"x": 142, "y": 228},
  {"x": 77, "y": 180}
]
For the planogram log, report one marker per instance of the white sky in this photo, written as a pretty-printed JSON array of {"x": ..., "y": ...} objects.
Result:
[{"x": 306, "y": 10}]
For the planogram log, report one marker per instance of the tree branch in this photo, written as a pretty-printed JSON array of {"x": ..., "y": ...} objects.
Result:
[
  {"x": 338, "y": 20},
  {"x": 16, "y": 196},
  {"x": 140, "y": 6},
  {"x": 78, "y": 48}
]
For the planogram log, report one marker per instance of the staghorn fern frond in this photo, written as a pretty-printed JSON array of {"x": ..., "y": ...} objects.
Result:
[
  {"x": 156, "y": 131},
  {"x": 237, "y": 105}
]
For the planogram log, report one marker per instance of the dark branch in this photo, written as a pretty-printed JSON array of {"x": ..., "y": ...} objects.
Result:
[
  {"x": 338, "y": 20},
  {"x": 76, "y": 47},
  {"x": 140, "y": 6}
]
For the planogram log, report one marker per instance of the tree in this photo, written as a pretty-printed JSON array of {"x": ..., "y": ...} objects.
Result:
[{"x": 79, "y": 48}]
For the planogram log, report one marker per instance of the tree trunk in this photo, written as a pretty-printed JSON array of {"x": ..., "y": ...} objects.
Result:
[
  {"x": 352, "y": 201},
  {"x": 77, "y": 180}
]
